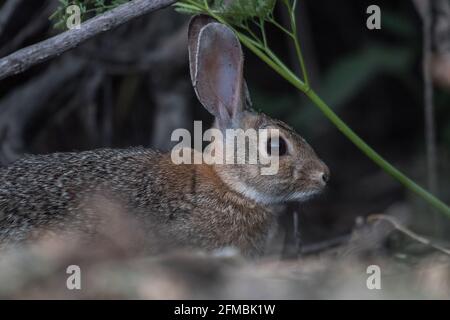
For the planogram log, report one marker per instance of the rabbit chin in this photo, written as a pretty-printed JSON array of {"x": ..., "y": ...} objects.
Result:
[{"x": 261, "y": 197}]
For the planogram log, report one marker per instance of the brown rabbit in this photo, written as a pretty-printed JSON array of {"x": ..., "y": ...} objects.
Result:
[{"x": 195, "y": 205}]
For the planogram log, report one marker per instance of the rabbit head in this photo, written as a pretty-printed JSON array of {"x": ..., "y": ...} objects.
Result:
[{"x": 216, "y": 66}]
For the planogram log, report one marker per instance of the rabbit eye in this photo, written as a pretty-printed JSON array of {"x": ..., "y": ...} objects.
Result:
[{"x": 276, "y": 144}]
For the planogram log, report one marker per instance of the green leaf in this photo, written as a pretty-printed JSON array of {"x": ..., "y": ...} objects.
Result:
[{"x": 237, "y": 11}]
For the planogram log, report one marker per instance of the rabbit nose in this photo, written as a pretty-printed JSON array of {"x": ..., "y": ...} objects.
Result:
[
  {"x": 325, "y": 177},
  {"x": 324, "y": 174}
]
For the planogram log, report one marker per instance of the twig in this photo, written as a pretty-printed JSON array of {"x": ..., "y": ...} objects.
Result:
[
  {"x": 408, "y": 232},
  {"x": 25, "y": 58}
]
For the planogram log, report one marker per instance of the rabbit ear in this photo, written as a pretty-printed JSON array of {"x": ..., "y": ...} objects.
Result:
[
  {"x": 218, "y": 78},
  {"x": 195, "y": 25}
]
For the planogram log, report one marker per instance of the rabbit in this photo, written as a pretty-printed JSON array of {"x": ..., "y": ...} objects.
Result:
[{"x": 204, "y": 206}]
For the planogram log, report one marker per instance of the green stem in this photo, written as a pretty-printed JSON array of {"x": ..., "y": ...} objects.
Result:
[
  {"x": 372, "y": 154},
  {"x": 297, "y": 42},
  {"x": 269, "y": 58},
  {"x": 263, "y": 32},
  {"x": 279, "y": 26},
  {"x": 250, "y": 32}
]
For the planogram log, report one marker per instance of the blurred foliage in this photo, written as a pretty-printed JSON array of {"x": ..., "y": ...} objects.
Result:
[{"x": 397, "y": 24}]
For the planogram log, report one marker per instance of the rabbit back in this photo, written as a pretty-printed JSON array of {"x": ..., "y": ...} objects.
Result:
[{"x": 184, "y": 205}]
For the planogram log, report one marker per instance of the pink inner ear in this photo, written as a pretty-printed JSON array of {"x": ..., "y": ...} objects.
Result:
[{"x": 219, "y": 71}]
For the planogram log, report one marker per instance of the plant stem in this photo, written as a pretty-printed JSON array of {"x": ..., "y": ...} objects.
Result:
[
  {"x": 297, "y": 42},
  {"x": 263, "y": 32},
  {"x": 372, "y": 154},
  {"x": 271, "y": 59},
  {"x": 279, "y": 26}
]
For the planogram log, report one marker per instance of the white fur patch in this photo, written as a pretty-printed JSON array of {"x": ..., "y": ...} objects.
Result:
[{"x": 263, "y": 198}]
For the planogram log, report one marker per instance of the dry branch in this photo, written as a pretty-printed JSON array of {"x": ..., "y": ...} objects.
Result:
[
  {"x": 398, "y": 226},
  {"x": 25, "y": 58}
]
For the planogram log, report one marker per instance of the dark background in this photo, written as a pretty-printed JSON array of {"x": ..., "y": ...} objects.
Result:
[{"x": 131, "y": 87}]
